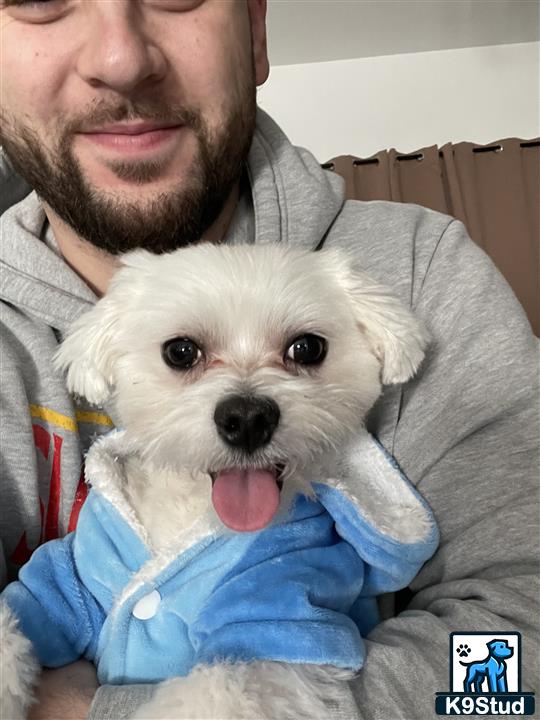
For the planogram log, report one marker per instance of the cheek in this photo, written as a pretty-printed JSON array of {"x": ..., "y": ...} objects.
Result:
[
  {"x": 34, "y": 68},
  {"x": 358, "y": 377},
  {"x": 168, "y": 420},
  {"x": 337, "y": 399},
  {"x": 152, "y": 400},
  {"x": 209, "y": 56},
  {"x": 26, "y": 67},
  {"x": 145, "y": 388}
]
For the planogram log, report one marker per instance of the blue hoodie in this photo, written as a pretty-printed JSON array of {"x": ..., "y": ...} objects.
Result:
[{"x": 301, "y": 590}]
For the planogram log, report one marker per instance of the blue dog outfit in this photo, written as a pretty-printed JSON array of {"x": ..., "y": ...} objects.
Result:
[{"x": 302, "y": 590}]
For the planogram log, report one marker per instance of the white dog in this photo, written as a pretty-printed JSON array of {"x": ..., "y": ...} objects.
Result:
[{"x": 240, "y": 377}]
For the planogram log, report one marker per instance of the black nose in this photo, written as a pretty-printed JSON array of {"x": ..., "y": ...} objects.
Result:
[{"x": 246, "y": 422}]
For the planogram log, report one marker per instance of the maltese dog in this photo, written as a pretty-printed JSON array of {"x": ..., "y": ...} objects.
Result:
[{"x": 241, "y": 521}]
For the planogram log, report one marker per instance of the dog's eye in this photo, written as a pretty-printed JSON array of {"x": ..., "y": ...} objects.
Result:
[
  {"x": 308, "y": 350},
  {"x": 181, "y": 353}
]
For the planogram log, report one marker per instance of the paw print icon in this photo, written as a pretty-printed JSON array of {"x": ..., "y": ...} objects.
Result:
[{"x": 463, "y": 650}]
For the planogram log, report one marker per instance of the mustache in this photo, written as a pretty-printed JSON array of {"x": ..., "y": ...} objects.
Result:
[{"x": 131, "y": 111}]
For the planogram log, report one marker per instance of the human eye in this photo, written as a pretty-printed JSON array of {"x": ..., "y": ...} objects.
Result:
[
  {"x": 34, "y": 10},
  {"x": 175, "y": 5}
]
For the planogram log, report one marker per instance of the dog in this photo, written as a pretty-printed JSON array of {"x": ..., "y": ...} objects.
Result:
[
  {"x": 492, "y": 669},
  {"x": 239, "y": 379}
]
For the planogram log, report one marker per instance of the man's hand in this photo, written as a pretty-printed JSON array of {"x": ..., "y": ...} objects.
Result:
[{"x": 65, "y": 693}]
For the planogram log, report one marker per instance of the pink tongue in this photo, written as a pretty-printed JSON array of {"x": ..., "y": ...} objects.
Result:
[{"x": 245, "y": 499}]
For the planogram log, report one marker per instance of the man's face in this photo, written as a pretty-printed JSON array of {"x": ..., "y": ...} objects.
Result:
[{"x": 131, "y": 118}]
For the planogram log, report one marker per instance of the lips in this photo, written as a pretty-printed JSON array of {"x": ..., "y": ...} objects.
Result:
[
  {"x": 137, "y": 128},
  {"x": 133, "y": 137}
]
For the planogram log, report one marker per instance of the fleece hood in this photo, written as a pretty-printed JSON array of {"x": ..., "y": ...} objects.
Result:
[{"x": 292, "y": 197}]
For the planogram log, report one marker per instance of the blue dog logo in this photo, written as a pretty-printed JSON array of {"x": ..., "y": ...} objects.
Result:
[
  {"x": 492, "y": 669},
  {"x": 485, "y": 687}
]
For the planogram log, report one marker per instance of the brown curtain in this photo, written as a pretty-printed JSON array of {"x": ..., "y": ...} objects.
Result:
[{"x": 493, "y": 189}]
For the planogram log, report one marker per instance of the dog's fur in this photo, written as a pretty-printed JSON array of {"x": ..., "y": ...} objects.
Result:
[{"x": 243, "y": 306}]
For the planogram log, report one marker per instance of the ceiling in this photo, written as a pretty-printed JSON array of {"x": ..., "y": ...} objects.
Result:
[{"x": 304, "y": 31}]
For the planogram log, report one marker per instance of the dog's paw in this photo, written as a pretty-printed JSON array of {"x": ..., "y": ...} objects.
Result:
[
  {"x": 19, "y": 668},
  {"x": 463, "y": 650}
]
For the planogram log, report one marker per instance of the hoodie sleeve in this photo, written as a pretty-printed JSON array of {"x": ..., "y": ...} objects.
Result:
[
  {"x": 116, "y": 702},
  {"x": 54, "y": 609},
  {"x": 393, "y": 535},
  {"x": 467, "y": 438}
]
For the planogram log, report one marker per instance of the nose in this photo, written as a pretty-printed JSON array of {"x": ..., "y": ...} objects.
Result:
[
  {"x": 246, "y": 422},
  {"x": 118, "y": 53}
]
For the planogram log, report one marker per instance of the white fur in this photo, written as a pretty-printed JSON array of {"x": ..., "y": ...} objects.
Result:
[
  {"x": 19, "y": 668},
  {"x": 249, "y": 691},
  {"x": 243, "y": 306}
]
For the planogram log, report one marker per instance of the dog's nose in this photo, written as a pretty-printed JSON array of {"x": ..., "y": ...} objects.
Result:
[{"x": 246, "y": 422}]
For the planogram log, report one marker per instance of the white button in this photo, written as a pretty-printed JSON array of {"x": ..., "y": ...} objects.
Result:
[{"x": 147, "y": 606}]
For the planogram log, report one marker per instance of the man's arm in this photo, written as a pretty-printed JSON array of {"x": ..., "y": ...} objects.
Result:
[
  {"x": 65, "y": 692},
  {"x": 118, "y": 702},
  {"x": 467, "y": 437},
  {"x": 57, "y": 617}
]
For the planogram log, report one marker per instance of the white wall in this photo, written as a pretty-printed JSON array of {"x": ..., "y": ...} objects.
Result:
[{"x": 407, "y": 101}]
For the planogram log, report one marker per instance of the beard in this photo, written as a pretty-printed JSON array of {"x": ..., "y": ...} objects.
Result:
[{"x": 172, "y": 219}]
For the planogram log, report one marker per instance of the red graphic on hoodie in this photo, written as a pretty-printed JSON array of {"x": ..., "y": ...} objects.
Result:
[{"x": 50, "y": 514}]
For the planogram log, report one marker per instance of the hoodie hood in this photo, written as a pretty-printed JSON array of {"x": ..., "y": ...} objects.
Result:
[
  {"x": 34, "y": 278},
  {"x": 292, "y": 199}
]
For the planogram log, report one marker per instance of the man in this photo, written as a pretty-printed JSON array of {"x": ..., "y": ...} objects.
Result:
[{"x": 136, "y": 124}]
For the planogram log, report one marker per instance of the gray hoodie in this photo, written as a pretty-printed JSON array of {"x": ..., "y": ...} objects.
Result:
[{"x": 464, "y": 431}]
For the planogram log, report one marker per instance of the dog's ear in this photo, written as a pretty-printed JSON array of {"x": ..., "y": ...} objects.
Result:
[
  {"x": 93, "y": 345},
  {"x": 398, "y": 338},
  {"x": 89, "y": 352}
]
